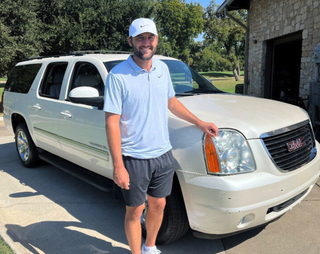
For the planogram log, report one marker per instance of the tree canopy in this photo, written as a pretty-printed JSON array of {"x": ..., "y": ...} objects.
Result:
[
  {"x": 227, "y": 35},
  {"x": 40, "y": 27}
]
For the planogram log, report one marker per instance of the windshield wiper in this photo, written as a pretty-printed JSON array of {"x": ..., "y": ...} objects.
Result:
[
  {"x": 185, "y": 94},
  {"x": 201, "y": 90}
]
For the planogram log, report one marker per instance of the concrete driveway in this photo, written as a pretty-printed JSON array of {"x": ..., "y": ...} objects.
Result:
[{"x": 45, "y": 210}]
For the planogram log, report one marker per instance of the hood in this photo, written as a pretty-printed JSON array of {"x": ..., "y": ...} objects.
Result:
[{"x": 250, "y": 115}]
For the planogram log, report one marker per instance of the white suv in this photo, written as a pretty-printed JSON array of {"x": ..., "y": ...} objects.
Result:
[{"x": 263, "y": 162}]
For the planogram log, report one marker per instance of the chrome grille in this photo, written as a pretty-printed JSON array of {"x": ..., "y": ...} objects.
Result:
[{"x": 291, "y": 147}]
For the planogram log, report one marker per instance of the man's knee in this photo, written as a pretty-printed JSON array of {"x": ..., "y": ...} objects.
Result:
[
  {"x": 134, "y": 213},
  {"x": 156, "y": 204}
]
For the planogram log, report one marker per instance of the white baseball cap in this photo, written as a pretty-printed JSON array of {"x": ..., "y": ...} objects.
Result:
[{"x": 142, "y": 25}]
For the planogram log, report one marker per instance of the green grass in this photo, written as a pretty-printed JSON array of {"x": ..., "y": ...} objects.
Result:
[
  {"x": 219, "y": 74},
  {"x": 3, "y": 79},
  {"x": 223, "y": 80},
  {"x": 4, "y": 248}
]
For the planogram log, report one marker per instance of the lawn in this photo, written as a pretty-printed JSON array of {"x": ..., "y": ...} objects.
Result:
[
  {"x": 223, "y": 80},
  {"x": 219, "y": 74},
  {"x": 4, "y": 248}
]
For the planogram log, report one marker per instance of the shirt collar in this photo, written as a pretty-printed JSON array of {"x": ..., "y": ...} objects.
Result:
[{"x": 138, "y": 68}]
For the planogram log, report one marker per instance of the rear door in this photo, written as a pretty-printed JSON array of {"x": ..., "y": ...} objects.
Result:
[{"x": 45, "y": 109}]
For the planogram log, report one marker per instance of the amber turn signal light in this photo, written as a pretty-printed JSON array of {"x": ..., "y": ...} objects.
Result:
[{"x": 211, "y": 156}]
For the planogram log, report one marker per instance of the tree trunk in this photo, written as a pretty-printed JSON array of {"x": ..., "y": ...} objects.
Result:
[
  {"x": 238, "y": 68},
  {"x": 235, "y": 73}
]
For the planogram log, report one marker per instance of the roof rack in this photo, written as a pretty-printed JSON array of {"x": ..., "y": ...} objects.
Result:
[
  {"x": 100, "y": 52},
  {"x": 49, "y": 56},
  {"x": 80, "y": 53}
]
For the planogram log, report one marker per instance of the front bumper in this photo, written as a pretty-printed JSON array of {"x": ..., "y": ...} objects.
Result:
[{"x": 227, "y": 204}]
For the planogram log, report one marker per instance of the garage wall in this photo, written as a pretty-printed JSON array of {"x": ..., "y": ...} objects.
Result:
[{"x": 269, "y": 19}]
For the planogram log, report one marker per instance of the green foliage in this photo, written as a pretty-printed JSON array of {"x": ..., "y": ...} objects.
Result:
[
  {"x": 72, "y": 25},
  {"x": 226, "y": 33},
  {"x": 41, "y": 27},
  {"x": 207, "y": 58},
  {"x": 178, "y": 23},
  {"x": 19, "y": 32}
]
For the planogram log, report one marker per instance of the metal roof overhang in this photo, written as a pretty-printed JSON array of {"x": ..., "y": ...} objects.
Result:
[{"x": 233, "y": 5}]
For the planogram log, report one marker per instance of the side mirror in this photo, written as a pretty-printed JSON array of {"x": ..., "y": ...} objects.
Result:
[{"x": 86, "y": 95}]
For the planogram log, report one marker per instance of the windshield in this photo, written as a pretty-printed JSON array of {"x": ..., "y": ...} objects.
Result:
[{"x": 185, "y": 80}]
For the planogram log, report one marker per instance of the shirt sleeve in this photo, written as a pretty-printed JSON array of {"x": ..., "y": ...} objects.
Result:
[{"x": 113, "y": 95}]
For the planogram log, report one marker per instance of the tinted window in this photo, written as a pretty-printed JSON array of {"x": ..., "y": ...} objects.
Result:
[
  {"x": 110, "y": 65},
  {"x": 22, "y": 77},
  {"x": 52, "y": 81},
  {"x": 86, "y": 74}
]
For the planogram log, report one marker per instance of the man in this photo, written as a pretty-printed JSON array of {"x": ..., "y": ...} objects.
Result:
[{"x": 138, "y": 93}]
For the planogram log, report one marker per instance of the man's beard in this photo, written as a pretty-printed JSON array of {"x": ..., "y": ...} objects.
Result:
[{"x": 142, "y": 56}]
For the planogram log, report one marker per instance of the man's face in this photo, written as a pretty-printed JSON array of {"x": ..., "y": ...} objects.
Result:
[{"x": 144, "y": 45}]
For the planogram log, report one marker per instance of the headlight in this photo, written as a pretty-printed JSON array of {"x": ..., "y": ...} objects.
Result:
[{"x": 228, "y": 153}]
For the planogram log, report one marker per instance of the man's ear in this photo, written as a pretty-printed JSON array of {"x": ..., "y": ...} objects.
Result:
[{"x": 130, "y": 41}]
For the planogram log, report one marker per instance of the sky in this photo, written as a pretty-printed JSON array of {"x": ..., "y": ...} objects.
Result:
[{"x": 203, "y": 3}]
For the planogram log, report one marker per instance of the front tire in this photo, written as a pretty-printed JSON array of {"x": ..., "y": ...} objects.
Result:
[
  {"x": 26, "y": 149},
  {"x": 175, "y": 221}
]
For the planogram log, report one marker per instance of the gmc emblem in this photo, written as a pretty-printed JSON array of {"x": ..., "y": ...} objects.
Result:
[{"x": 295, "y": 144}]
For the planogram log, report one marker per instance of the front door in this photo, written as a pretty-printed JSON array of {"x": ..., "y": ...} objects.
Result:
[{"x": 82, "y": 133}]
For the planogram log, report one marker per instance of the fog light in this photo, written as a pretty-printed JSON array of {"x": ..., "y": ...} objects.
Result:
[{"x": 246, "y": 220}]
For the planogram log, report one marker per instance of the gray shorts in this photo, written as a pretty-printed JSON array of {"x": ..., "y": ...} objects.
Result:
[{"x": 148, "y": 176}]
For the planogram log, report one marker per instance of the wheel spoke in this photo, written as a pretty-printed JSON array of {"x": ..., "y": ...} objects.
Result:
[{"x": 23, "y": 146}]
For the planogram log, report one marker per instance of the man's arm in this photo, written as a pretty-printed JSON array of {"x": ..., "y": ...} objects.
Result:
[
  {"x": 120, "y": 174},
  {"x": 178, "y": 109}
]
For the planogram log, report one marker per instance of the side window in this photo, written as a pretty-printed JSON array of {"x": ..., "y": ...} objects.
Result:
[
  {"x": 22, "y": 77},
  {"x": 86, "y": 74},
  {"x": 52, "y": 80}
]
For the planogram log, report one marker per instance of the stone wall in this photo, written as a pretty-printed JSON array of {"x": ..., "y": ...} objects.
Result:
[{"x": 269, "y": 19}]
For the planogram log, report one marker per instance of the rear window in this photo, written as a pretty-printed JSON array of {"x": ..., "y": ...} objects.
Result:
[{"x": 22, "y": 77}]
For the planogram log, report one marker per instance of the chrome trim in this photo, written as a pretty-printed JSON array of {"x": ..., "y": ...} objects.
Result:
[
  {"x": 283, "y": 130},
  {"x": 287, "y": 129},
  {"x": 76, "y": 143}
]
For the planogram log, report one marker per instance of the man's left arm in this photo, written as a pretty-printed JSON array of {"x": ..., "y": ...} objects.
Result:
[{"x": 178, "y": 109}]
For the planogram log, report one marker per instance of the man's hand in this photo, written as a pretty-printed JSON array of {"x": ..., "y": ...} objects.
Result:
[
  {"x": 121, "y": 178},
  {"x": 178, "y": 109},
  {"x": 209, "y": 128}
]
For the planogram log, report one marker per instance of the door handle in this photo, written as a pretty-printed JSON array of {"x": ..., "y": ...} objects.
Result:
[
  {"x": 66, "y": 113},
  {"x": 37, "y": 106}
]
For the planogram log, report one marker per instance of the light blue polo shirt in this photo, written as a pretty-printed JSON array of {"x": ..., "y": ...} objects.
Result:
[{"x": 141, "y": 98}]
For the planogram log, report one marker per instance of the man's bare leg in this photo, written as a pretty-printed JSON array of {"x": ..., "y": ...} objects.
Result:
[
  {"x": 132, "y": 227},
  {"x": 154, "y": 219}
]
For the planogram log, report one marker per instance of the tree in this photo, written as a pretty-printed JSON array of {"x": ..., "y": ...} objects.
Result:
[
  {"x": 209, "y": 58},
  {"x": 227, "y": 34},
  {"x": 73, "y": 25},
  {"x": 178, "y": 23},
  {"x": 41, "y": 27},
  {"x": 19, "y": 32}
]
